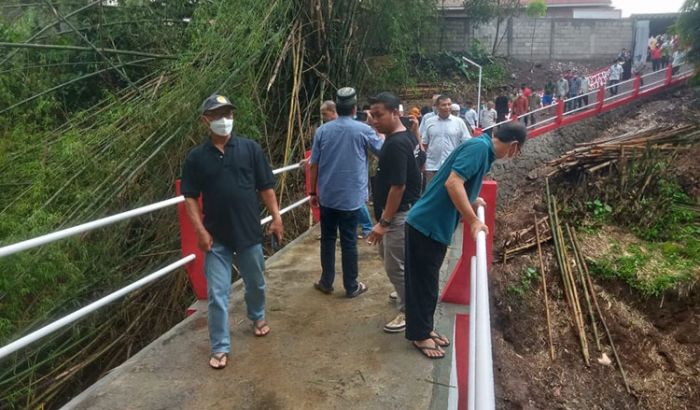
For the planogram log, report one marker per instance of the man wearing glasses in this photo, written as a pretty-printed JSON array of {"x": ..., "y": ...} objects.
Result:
[{"x": 230, "y": 173}]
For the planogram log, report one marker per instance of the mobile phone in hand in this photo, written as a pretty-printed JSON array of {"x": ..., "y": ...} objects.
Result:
[{"x": 274, "y": 243}]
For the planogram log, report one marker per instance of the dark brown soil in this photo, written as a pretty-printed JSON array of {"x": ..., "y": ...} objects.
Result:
[{"x": 658, "y": 339}]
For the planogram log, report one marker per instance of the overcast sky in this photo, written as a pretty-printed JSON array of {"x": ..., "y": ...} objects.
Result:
[{"x": 647, "y": 6}]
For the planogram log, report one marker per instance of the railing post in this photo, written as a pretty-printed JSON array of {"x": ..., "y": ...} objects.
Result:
[
  {"x": 601, "y": 99},
  {"x": 457, "y": 288},
  {"x": 637, "y": 85},
  {"x": 669, "y": 74},
  {"x": 315, "y": 212},
  {"x": 560, "y": 112},
  {"x": 188, "y": 242}
]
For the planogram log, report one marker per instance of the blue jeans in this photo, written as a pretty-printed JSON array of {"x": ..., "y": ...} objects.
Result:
[
  {"x": 365, "y": 221},
  {"x": 332, "y": 221},
  {"x": 217, "y": 268}
]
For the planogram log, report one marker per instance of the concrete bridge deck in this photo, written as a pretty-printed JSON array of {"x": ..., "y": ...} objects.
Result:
[{"x": 324, "y": 352}]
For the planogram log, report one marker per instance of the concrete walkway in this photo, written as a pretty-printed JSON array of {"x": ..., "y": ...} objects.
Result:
[{"x": 324, "y": 352}]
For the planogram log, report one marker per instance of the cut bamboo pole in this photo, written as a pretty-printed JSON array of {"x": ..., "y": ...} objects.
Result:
[
  {"x": 573, "y": 293},
  {"x": 605, "y": 326},
  {"x": 544, "y": 291},
  {"x": 579, "y": 267}
]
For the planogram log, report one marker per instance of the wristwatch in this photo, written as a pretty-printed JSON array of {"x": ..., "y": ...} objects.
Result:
[{"x": 383, "y": 222}]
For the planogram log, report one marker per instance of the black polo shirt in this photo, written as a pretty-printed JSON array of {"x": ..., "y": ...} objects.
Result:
[
  {"x": 397, "y": 166},
  {"x": 229, "y": 185}
]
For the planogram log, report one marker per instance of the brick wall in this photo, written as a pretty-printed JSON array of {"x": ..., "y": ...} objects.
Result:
[{"x": 555, "y": 38}]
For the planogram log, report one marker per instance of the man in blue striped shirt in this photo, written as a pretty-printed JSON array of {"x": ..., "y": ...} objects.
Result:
[{"x": 339, "y": 187}]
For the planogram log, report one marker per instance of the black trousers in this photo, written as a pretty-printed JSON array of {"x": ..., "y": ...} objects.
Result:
[{"x": 424, "y": 258}]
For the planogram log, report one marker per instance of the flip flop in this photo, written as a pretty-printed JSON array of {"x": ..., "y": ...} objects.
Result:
[
  {"x": 361, "y": 288},
  {"x": 258, "y": 330},
  {"x": 218, "y": 356},
  {"x": 425, "y": 349},
  {"x": 439, "y": 339}
]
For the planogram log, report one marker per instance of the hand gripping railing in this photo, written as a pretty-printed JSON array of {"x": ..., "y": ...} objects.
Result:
[
  {"x": 89, "y": 226},
  {"x": 480, "y": 383}
]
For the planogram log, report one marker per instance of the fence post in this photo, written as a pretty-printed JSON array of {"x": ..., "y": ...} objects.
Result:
[
  {"x": 457, "y": 288},
  {"x": 601, "y": 99},
  {"x": 560, "y": 112},
  {"x": 669, "y": 74},
  {"x": 637, "y": 85},
  {"x": 315, "y": 212},
  {"x": 188, "y": 242}
]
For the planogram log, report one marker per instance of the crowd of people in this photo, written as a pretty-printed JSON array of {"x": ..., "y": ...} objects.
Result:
[
  {"x": 429, "y": 171},
  {"x": 430, "y": 163}
]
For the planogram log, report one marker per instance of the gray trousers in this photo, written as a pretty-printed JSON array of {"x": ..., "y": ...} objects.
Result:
[{"x": 391, "y": 250}]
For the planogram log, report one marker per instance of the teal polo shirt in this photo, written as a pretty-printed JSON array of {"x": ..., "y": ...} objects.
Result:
[{"x": 434, "y": 215}]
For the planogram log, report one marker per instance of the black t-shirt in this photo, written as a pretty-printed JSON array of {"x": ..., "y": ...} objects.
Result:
[
  {"x": 229, "y": 183},
  {"x": 397, "y": 166}
]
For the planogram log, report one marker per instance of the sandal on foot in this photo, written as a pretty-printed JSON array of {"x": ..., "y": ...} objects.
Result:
[
  {"x": 259, "y": 330},
  {"x": 426, "y": 349},
  {"x": 219, "y": 357},
  {"x": 361, "y": 288},
  {"x": 319, "y": 286},
  {"x": 439, "y": 339}
]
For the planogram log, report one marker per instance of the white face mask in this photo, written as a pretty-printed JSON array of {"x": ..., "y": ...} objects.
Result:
[{"x": 222, "y": 126}]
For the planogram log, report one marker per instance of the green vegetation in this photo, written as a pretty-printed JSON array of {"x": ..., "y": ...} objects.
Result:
[
  {"x": 524, "y": 283},
  {"x": 98, "y": 146},
  {"x": 661, "y": 251},
  {"x": 688, "y": 26}
]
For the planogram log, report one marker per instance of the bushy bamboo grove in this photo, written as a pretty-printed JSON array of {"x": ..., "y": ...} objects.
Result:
[{"x": 277, "y": 60}]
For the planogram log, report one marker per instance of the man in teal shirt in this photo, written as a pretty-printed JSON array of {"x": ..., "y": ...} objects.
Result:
[{"x": 431, "y": 223}]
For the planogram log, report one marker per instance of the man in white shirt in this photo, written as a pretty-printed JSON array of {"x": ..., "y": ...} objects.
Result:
[
  {"x": 429, "y": 115},
  {"x": 443, "y": 133},
  {"x": 470, "y": 116},
  {"x": 614, "y": 75},
  {"x": 488, "y": 117}
]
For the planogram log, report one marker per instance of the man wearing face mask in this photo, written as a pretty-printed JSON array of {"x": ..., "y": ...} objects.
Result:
[
  {"x": 432, "y": 221},
  {"x": 230, "y": 173}
]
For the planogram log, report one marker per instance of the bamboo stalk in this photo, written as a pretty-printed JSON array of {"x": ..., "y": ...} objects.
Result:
[
  {"x": 78, "y": 48},
  {"x": 544, "y": 291},
  {"x": 579, "y": 269},
  {"x": 605, "y": 326},
  {"x": 573, "y": 293}
]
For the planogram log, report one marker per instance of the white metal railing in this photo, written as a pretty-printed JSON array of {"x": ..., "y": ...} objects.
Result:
[
  {"x": 65, "y": 233},
  {"x": 80, "y": 313},
  {"x": 480, "y": 354},
  {"x": 78, "y": 229}
]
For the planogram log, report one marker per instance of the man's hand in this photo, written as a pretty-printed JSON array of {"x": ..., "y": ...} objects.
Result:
[
  {"x": 276, "y": 228},
  {"x": 204, "y": 240},
  {"x": 479, "y": 202},
  {"x": 478, "y": 226},
  {"x": 313, "y": 201},
  {"x": 377, "y": 234}
]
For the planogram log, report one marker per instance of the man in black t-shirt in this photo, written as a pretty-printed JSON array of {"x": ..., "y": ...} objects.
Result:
[
  {"x": 397, "y": 187},
  {"x": 230, "y": 174}
]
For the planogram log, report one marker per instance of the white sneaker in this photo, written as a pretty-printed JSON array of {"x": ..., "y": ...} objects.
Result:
[
  {"x": 393, "y": 295},
  {"x": 397, "y": 325}
]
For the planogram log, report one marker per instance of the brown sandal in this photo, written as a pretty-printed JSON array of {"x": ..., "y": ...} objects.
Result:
[
  {"x": 426, "y": 349},
  {"x": 258, "y": 329},
  {"x": 439, "y": 339},
  {"x": 218, "y": 357}
]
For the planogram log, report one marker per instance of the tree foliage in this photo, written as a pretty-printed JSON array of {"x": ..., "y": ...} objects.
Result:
[
  {"x": 688, "y": 26},
  {"x": 483, "y": 11},
  {"x": 99, "y": 147}
]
